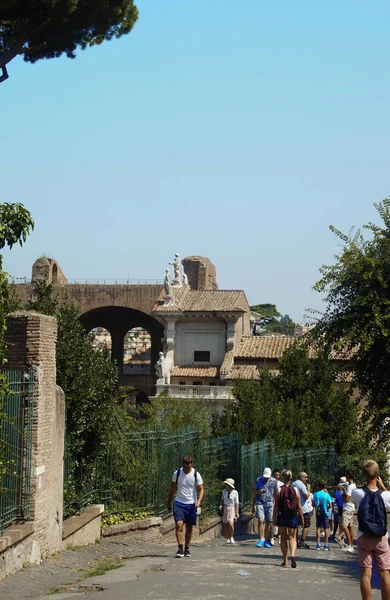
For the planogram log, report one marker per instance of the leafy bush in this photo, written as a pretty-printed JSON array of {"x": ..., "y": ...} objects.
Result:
[{"x": 115, "y": 518}]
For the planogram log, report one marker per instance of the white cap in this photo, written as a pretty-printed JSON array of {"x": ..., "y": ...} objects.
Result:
[{"x": 267, "y": 472}]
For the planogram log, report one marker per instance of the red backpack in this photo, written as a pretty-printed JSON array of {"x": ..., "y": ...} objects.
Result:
[{"x": 288, "y": 500}]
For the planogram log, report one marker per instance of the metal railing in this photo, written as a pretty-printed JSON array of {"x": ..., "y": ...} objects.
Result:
[
  {"x": 108, "y": 281},
  {"x": 117, "y": 281},
  {"x": 136, "y": 470},
  {"x": 16, "y": 447}
]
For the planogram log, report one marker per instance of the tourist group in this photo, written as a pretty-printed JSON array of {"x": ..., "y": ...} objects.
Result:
[{"x": 282, "y": 505}]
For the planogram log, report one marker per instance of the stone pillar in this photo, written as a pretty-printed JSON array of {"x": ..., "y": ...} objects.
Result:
[
  {"x": 118, "y": 346},
  {"x": 230, "y": 332},
  {"x": 31, "y": 340},
  {"x": 170, "y": 334}
]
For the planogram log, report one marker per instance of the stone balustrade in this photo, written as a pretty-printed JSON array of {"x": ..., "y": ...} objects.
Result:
[{"x": 209, "y": 392}]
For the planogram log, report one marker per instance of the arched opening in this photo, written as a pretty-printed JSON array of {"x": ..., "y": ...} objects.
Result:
[
  {"x": 137, "y": 353},
  {"x": 119, "y": 320},
  {"x": 134, "y": 402},
  {"x": 101, "y": 338},
  {"x": 54, "y": 274}
]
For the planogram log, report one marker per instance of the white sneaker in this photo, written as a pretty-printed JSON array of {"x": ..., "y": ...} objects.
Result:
[
  {"x": 351, "y": 549},
  {"x": 272, "y": 541},
  {"x": 232, "y": 541},
  {"x": 228, "y": 541}
]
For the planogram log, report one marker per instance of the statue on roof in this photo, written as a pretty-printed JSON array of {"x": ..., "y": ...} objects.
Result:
[
  {"x": 168, "y": 283},
  {"x": 185, "y": 279},
  {"x": 176, "y": 268},
  {"x": 159, "y": 368}
]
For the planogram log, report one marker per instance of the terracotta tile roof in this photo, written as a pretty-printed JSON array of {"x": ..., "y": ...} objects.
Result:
[
  {"x": 192, "y": 371},
  {"x": 243, "y": 372},
  {"x": 264, "y": 346},
  {"x": 227, "y": 363},
  {"x": 187, "y": 300}
]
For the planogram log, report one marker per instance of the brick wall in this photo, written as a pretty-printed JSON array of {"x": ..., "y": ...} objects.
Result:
[{"x": 31, "y": 340}]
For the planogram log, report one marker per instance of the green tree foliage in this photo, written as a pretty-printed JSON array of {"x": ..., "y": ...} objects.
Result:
[
  {"x": 301, "y": 406},
  {"x": 15, "y": 225},
  {"x": 270, "y": 321},
  {"x": 40, "y": 29},
  {"x": 266, "y": 310},
  {"x": 357, "y": 315},
  {"x": 88, "y": 378},
  {"x": 172, "y": 414}
]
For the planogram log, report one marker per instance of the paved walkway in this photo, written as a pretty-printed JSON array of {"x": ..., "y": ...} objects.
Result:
[{"x": 215, "y": 571}]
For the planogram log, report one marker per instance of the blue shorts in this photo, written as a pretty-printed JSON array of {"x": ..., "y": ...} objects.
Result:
[
  {"x": 322, "y": 522},
  {"x": 184, "y": 512},
  {"x": 287, "y": 521},
  {"x": 265, "y": 512}
]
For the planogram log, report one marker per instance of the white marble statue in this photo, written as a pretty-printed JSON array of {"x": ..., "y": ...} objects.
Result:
[
  {"x": 159, "y": 368},
  {"x": 177, "y": 269},
  {"x": 185, "y": 279},
  {"x": 168, "y": 283}
]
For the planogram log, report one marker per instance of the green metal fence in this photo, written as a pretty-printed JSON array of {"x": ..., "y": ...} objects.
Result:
[
  {"x": 16, "y": 447},
  {"x": 136, "y": 468}
]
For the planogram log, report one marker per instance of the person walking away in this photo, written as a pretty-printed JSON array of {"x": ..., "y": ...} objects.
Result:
[
  {"x": 338, "y": 502},
  {"x": 372, "y": 500},
  {"x": 348, "y": 512},
  {"x": 230, "y": 509},
  {"x": 185, "y": 483},
  {"x": 263, "y": 506},
  {"x": 279, "y": 484},
  {"x": 307, "y": 509},
  {"x": 287, "y": 511},
  {"x": 322, "y": 503}
]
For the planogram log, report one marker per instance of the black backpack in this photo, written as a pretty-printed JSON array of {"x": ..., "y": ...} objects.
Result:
[
  {"x": 371, "y": 514},
  {"x": 178, "y": 475}
]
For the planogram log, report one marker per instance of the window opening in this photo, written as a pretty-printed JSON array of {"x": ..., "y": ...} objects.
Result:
[{"x": 202, "y": 356}]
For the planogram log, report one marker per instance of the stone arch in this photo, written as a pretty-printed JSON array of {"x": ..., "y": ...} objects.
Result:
[
  {"x": 118, "y": 320},
  {"x": 101, "y": 338},
  {"x": 137, "y": 348}
]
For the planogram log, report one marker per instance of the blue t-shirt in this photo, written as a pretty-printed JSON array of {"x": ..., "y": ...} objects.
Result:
[
  {"x": 339, "y": 499},
  {"x": 269, "y": 485},
  {"x": 322, "y": 500}
]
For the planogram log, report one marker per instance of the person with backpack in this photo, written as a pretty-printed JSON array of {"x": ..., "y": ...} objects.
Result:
[
  {"x": 185, "y": 483},
  {"x": 263, "y": 507},
  {"x": 229, "y": 507},
  {"x": 322, "y": 503},
  {"x": 372, "y": 500},
  {"x": 287, "y": 511}
]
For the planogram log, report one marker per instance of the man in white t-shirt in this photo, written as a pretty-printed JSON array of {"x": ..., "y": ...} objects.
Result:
[
  {"x": 348, "y": 512},
  {"x": 307, "y": 508},
  {"x": 185, "y": 482},
  {"x": 373, "y": 546}
]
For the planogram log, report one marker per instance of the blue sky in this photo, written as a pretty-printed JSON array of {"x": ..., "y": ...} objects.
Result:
[{"x": 233, "y": 130}]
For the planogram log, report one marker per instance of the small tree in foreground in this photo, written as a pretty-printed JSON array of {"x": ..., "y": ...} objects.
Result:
[
  {"x": 357, "y": 315},
  {"x": 87, "y": 376},
  {"x": 15, "y": 225},
  {"x": 299, "y": 407}
]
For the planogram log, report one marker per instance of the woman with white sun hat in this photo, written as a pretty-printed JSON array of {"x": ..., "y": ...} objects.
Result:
[{"x": 229, "y": 508}]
